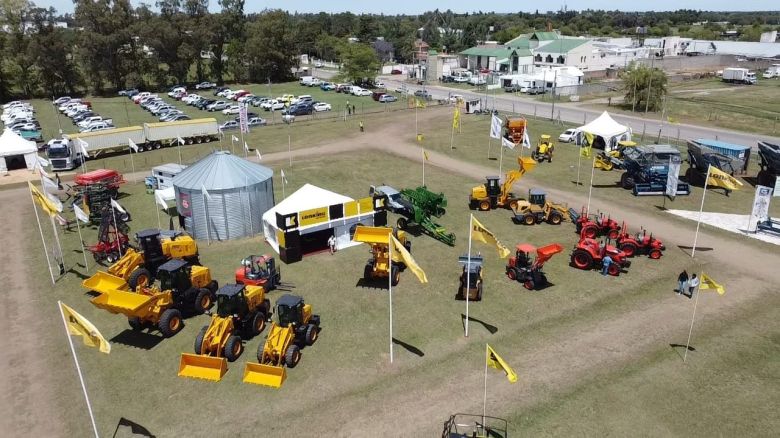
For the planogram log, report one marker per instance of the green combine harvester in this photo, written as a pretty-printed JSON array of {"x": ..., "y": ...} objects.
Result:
[{"x": 419, "y": 207}]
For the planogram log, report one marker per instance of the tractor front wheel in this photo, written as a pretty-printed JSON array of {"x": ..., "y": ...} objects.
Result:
[
  {"x": 582, "y": 259},
  {"x": 629, "y": 249},
  {"x": 529, "y": 284},
  {"x": 655, "y": 254},
  {"x": 198, "y": 347},
  {"x": 529, "y": 219},
  {"x": 401, "y": 223},
  {"x": 555, "y": 218},
  {"x": 292, "y": 356},
  {"x": 233, "y": 348},
  {"x": 484, "y": 205},
  {"x": 589, "y": 231},
  {"x": 511, "y": 273},
  {"x": 140, "y": 277},
  {"x": 627, "y": 181},
  {"x": 613, "y": 234},
  {"x": 613, "y": 270},
  {"x": 170, "y": 322}
]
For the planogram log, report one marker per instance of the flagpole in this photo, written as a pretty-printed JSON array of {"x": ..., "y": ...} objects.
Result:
[
  {"x": 423, "y": 151},
  {"x": 178, "y": 143},
  {"x": 78, "y": 369},
  {"x": 501, "y": 159},
  {"x": 590, "y": 191},
  {"x": 698, "y": 222},
  {"x": 452, "y": 135},
  {"x": 59, "y": 245},
  {"x": 484, "y": 400},
  {"x": 695, "y": 303},
  {"x": 579, "y": 164},
  {"x": 116, "y": 230},
  {"x": 40, "y": 230},
  {"x": 390, "y": 287},
  {"x": 157, "y": 207},
  {"x": 132, "y": 164},
  {"x": 81, "y": 240},
  {"x": 289, "y": 143},
  {"x": 208, "y": 229},
  {"x": 468, "y": 276}
]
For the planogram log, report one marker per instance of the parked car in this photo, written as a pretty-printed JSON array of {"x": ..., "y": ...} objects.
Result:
[
  {"x": 377, "y": 94},
  {"x": 239, "y": 94},
  {"x": 229, "y": 125},
  {"x": 327, "y": 86},
  {"x": 179, "y": 117},
  {"x": 258, "y": 100},
  {"x": 301, "y": 99},
  {"x": 61, "y": 100},
  {"x": 176, "y": 90},
  {"x": 379, "y": 84},
  {"x": 203, "y": 103},
  {"x": 219, "y": 90},
  {"x": 395, "y": 71},
  {"x": 205, "y": 86},
  {"x": 361, "y": 92},
  {"x": 387, "y": 98},
  {"x": 256, "y": 121},
  {"x": 100, "y": 126},
  {"x": 299, "y": 109},
  {"x": 477, "y": 80},
  {"x": 224, "y": 92},
  {"x": 217, "y": 106},
  {"x": 423, "y": 94},
  {"x": 460, "y": 79},
  {"x": 322, "y": 106},
  {"x": 82, "y": 115},
  {"x": 245, "y": 98},
  {"x": 232, "y": 109},
  {"x": 274, "y": 105},
  {"x": 318, "y": 64},
  {"x": 567, "y": 136}
]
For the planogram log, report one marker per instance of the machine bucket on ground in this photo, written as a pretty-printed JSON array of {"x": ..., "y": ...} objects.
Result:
[
  {"x": 199, "y": 366},
  {"x": 266, "y": 375}
]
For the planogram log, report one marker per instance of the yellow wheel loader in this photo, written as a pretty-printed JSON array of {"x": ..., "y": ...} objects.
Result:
[
  {"x": 184, "y": 290},
  {"x": 493, "y": 195},
  {"x": 377, "y": 267},
  {"x": 538, "y": 209},
  {"x": 240, "y": 310},
  {"x": 297, "y": 327},
  {"x": 544, "y": 150},
  {"x": 614, "y": 158}
]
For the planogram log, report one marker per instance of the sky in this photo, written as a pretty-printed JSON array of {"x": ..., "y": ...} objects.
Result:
[{"x": 419, "y": 6}]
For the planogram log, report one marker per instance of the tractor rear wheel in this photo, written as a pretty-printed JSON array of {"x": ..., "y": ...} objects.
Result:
[
  {"x": 312, "y": 333},
  {"x": 395, "y": 273},
  {"x": 629, "y": 249},
  {"x": 198, "y": 347},
  {"x": 203, "y": 301},
  {"x": 590, "y": 231},
  {"x": 613, "y": 234},
  {"x": 170, "y": 322},
  {"x": 529, "y": 219},
  {"x": 613, "y": 269},
  {"x": 135, "y": 323},
  {"x": 511, "y": 273},
  {"x": 140, "y": 277},
  {"x": 555, "y": 218},
  {"x": 401, "y": 223},
  {"x": 292, "y": 356},
  {"x": 627, "y": 181},
  {"x": 655, "y": 254},
  {"x": 484, "y": 205},
  {"x": 529, "y": 284},
  {"x": 233, "y": 348},
  {"x": 257, "y": 324},
  {"x": 582, "y": 259}
]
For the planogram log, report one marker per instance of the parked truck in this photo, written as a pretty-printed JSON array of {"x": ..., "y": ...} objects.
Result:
[
  {"x": 739, "y": 75},
  {"x": 69, "y": 154}
]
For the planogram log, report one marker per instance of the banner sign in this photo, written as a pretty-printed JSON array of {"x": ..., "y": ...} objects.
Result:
[
  {"x": 761, "y": 201},
  {"x": 313, "y": 216},
  {"x": 243, "y": 120},
  {"x": 673, "y": 176}
]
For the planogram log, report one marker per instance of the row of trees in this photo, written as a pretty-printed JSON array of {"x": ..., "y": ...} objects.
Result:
[{"x": 110, "y": 44}]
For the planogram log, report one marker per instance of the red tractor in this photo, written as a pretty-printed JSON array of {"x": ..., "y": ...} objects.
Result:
[
  {"x": 640, "y": 244},
  {"x": 594, "y": 226},
  {"x": 522, "y": 269},
  {"x": 259, "y": 270},
  {"x": 589, "y": 254}
]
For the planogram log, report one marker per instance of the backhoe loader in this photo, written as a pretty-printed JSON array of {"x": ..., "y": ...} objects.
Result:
[
  {"x": 377, "y": 267},
  {"x": 492, "y": 194},
  {"x": 295, "y": 328},
  {"x": 240, "y": 308},
  {"x": 538, "y": 209}
]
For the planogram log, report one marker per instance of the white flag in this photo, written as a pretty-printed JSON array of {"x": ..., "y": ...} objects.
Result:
[
  {"x": 116, "y": 205},
  {"x": 507, "y": 143},
  {"x": 80, "y": 215},
  {"x": 179, "y": 139},
  {"x": 48, "y": 184},
  {"x": 495, "y": 127},
  {"x": 233, "y": 138},
  {"x": 246, "y": 147},
  {"x": 526, "y": 139},
  {"x": 205, "y": 192},
  {"x": 284, "y": 178},
  {"x": 132, "y": 145},
  {"x": 259, "y": 157},
  {"x": 54, "y": 200},
  {"x": 42, "y": 162},
  {"x": 160, "y": 201},
  {"x": 83, "y": 146}
]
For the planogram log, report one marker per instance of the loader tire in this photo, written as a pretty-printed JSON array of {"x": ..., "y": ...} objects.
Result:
[
  {"x": 655, "y": 254},
  {"x": 292, "y": 356},
  {"x": 233, "y": 348},
  {"x": 203, "y": 301},
  {"x": 479, "y": 292},
  {"x": 555, "y": 218},
  {"x": 198, "y": 347},
  {"x": 140, "y": 277},
  {"x": 312, "y": 333},
  {"x": 368, "y": 272},
  {"x": 581, "y": 259},
  {"x": 529, "y": 219},
  {"x": 395, "y": 273},
  {"x": 135, "y": 323},
  {"x": 257, "y": 324},
  {"x": 170, "y": 322},
  {"x": 401, "y": 223},
  {"x": 408, "y": 246},
  {"x": 484, "y": 205}
]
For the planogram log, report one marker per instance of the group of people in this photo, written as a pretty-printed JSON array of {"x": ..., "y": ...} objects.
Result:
[{"x": 683, "y": 282}]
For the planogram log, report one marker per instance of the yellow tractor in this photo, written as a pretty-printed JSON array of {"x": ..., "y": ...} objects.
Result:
[
  {"x": 239, "y": 308},
  {"x": 184, "y": 289},
  {"x": 544, "y": 149},
  {"x": 492, "y": 194},
  {"x": 538, "y": 209},
  {"x": 377, "y": 267},
  {"x": 297, "y": 327},
  {"x": 614, "y": 158}
]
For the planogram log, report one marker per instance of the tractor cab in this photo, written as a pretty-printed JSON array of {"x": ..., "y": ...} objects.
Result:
[
  {"x": 290, "y": 309},
  {"x": 472, "y": 272},
  {"x": 231, "y": 301},
  {"x": 174, "y": 275},
  {"x": 493, "y": 186},
  {"x": 258, "y": 270},
  {"x": 522, "y": 258},
  {"x": 149, "y": 242},
  {"x": 537, "y": 196},
  {"x": 544, "y": 149},
  {"x": 544, "y": 143}
]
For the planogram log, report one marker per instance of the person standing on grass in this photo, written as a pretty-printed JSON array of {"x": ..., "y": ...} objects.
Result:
[
  {"x": 606, "y": 261},
  {"x": 682, "y": 279},
  {"x": 332, "y": 244},
  {"x": 692, "y": 285}
]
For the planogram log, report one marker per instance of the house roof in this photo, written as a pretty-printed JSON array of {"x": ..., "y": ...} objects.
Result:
[
  {"x": 494, "y": 52},
  {"x": 307, "y": 197},
  {"x": 520, "y": 42},
  {"x": 544, "y": 36},
  {"x": 563, "y": 45},
  {"x": 604, "y": 126}
]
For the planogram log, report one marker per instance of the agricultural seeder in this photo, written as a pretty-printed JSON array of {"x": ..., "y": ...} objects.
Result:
[
  {"x": 420, "y": 206},
  {"x": 529, "y": 272},
  {"x": 94, "y": 190},
  {"x": 112, "y": 236}
]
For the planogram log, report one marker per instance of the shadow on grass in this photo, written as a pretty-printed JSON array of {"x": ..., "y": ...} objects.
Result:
[
  {"x": 688, "y": 249},
  {"x": 77, "y": 273},
  {"x": 489, "y": 327},
  {"x": 372, "y": 284},
  {"x": 410, "y": 348},
  {"x": 676, "y": 348},
  {"x": 135, "y": 428},
  {"x": 142, "y": 340},
  {"x": 607, "y": 186}
]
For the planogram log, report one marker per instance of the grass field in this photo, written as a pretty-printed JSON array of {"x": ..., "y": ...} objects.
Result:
[{"x": 349, "y": 364}]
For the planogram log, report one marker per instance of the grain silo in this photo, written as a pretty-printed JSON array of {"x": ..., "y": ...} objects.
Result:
[{"x": 223, "y": 197}]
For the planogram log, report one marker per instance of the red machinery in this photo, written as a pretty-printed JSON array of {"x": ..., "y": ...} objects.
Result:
[
  {"x": 521, "y": 268},
  {"x": 112, "y": 236},
  {"x": 589, "y": 253},
  {"x": 640, "y": 244},
  {"x": 259, "y": 270},
  {"x": 109, "y": 177},
  {"x": 593, "y": 226}
]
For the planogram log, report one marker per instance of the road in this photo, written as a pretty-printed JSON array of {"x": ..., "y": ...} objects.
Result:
[{"x": 572, "y": 113}]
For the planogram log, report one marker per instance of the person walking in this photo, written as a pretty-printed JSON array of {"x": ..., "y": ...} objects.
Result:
[
  {"x": 361, "y": 126},
  {"x": 332, "y": 244},
  {"x": 692, "y": 285},
  {"x": 682, "y": 280},
  {"x": 606, "y": 261}
]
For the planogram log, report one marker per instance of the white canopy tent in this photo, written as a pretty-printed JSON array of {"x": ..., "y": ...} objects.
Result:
[
  {"x": 606, "y": 132},
  {"x": 13, "y": 147}
]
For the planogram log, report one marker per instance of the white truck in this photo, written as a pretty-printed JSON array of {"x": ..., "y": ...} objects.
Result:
[
  {"x": 739, "y": 75},
  {"x": 306, "y": 80},
  {"x": 69, "y": 154}
]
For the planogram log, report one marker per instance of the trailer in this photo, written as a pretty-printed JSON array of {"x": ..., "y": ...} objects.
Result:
[
  {"x": 733, "y": 158},
  {"x": 191, "y": 131},
  {"x": 647, "y": 169}
]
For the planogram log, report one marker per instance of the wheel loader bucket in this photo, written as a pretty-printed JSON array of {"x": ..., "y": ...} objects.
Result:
[
  {"x": 119, "y": 301},
  {"x": 267, "y": 375},
  {"x": 199, "y": 366},
  {"x": 103, "y": 282}
]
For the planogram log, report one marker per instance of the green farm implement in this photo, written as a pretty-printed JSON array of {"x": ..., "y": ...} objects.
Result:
[{"x": 420, "y": 206}]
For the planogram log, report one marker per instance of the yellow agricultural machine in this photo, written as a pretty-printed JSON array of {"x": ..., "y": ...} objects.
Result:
[
  {"x": 240, "y": 308},
  {"x": 538, "y": 209},
  {"x": 544, "y": 150},
  {"x": 297, "y": 327},
  {"x": 492, "y": 194},
  {"x": 184, "y": 289},
  {"x": 377, "y": 267},
  {"x": 614, "y": 158}
]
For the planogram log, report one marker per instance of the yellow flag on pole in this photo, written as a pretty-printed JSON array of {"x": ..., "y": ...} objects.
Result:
[
  {"x": 425, "y": 154},
  {"x": 43, "y": 201},
  {"x": 479, "y": 232},
  {"x": 719, "y": 178},
  {"x": 419, "y": 103},
  {"x": 456, "y": 118},
  {"x": 708, "y": 283},
  {"x": 410, "y": 262},
  {"x": 495, "y": 361},
  {"x": 80, "y": 326},
  {"x": 585, "y": 149}
]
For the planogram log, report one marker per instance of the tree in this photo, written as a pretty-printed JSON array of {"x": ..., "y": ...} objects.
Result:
[
  {"x": 271, "y": 47},
  {"x": 50, "y": 49},
  {"x": 359, "y": 62},
  {"x": 641, "y": 83}
]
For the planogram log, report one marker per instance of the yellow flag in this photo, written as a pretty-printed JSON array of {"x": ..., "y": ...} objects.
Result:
[
  {"x": 410, "y": 262},
  {"x": 419, "y": 103},
  {"x": 419, "y": 138},
  {"x": 479, "y": 232},
  {"x": 585, "y": 151},
  {"x": 456, "y": 118},
  {"x": 43, "y": 201},
  {"x": 425, "y": 154},
  {"x": 495, "y": 361},
  {"x": 719, "y": 178},
  {"x": 709, "y": 283},
  {"x": 79, "y": 326},
  {"x": 671, "y": 120}
]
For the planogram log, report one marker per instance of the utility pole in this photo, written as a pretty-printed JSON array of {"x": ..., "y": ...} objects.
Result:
[
  {"x": 555, "y": 80},
  {"x": 649, "y": 82}
]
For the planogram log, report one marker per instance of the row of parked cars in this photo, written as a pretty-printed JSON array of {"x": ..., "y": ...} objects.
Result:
[
  {"x": 80, "y": 112},
  {"x": 164, "y": 111},
  {"x": 19, "y": 117},
  {"x": 207, "y": 104}
]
